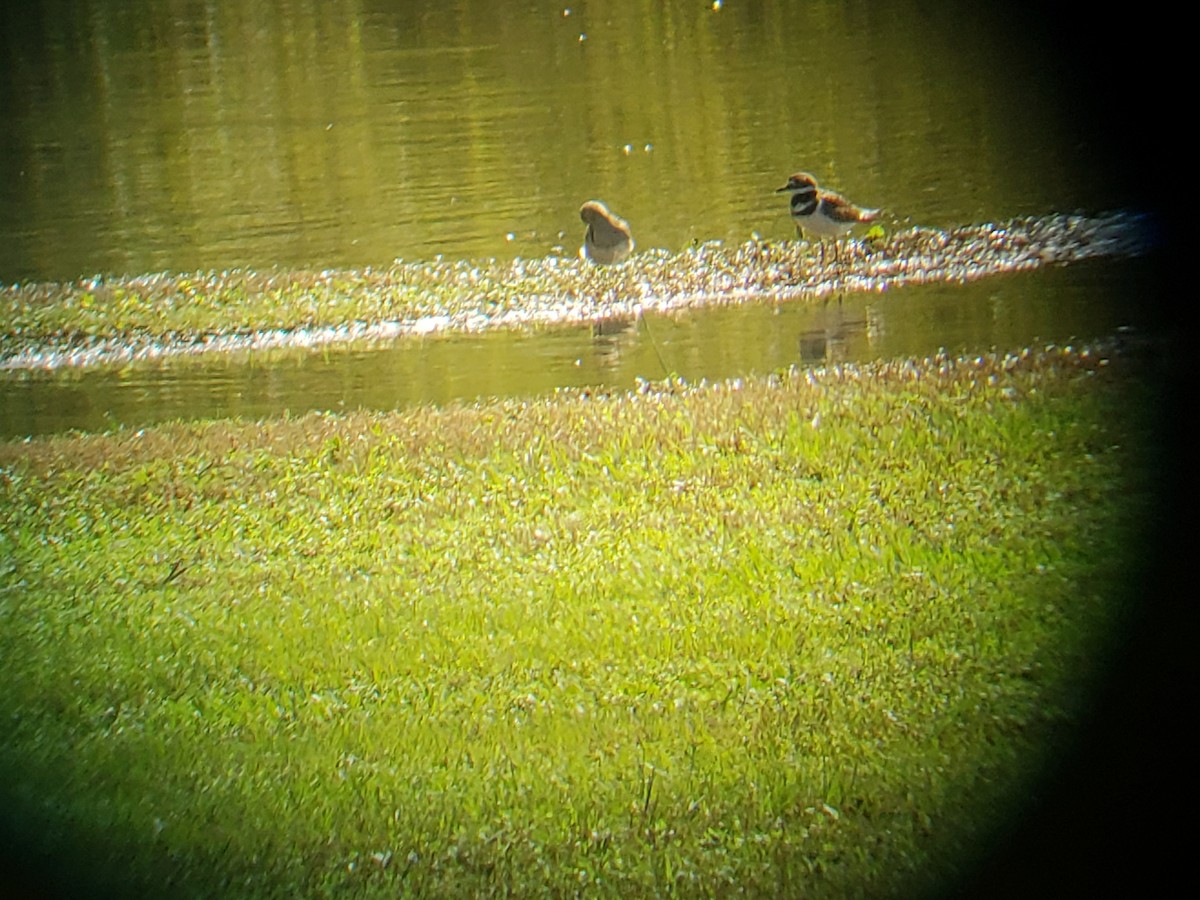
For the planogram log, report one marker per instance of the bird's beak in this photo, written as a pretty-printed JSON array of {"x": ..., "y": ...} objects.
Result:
[{"x": 782, "y": 189}]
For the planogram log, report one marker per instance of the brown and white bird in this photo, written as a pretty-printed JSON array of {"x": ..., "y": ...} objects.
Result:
[
  {"x": 823, "y": 213},
  {"x": 607, "y": 239}
]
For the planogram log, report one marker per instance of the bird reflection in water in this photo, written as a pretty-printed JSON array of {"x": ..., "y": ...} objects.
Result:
[{"x": 833, "y": 329}]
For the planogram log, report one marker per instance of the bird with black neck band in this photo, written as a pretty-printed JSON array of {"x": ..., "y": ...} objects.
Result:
[{"x": 821, "y": 212}]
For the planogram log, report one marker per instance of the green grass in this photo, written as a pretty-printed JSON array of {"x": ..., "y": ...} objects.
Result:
[
  {"x": 96, "y": 320},
  {"x": 807, "y": 634}
]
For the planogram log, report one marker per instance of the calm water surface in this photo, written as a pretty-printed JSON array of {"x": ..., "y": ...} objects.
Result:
[
  {"x": 713, "y": 343},
  {"x": 144, "y": 137}
]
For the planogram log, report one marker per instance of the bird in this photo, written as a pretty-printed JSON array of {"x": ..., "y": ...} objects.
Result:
[
  {"x": 607, "y": 239},
  {"x": 821, "y": 212}
]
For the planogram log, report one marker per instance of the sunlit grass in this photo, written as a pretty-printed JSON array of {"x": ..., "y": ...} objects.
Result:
[
  {"x": 798, "y": 635},
  {"x": 98, "y": 320}
]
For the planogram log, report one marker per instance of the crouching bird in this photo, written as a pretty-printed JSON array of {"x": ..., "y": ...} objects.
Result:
[{"x": 607, "y": 239}]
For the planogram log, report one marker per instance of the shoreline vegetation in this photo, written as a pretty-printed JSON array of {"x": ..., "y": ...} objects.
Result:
[
  {"x": 813, "y": 634},
  {"x": 102, "y": 320}
]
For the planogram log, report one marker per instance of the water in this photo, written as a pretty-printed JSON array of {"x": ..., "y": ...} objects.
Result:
[
  {"x": 143, "y": 137},
  {"x": 1079, "y": 303}
]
